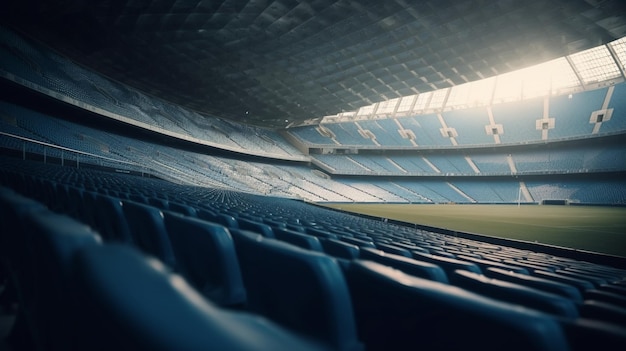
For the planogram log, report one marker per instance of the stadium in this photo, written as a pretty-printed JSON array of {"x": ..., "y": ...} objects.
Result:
[{"x": 313, "y": 175}]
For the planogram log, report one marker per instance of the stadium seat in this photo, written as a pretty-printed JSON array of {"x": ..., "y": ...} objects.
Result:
[
  {"x": 449, "y": 265},
  {"x": 580, "y": 284},
  {"x": 529, "y": 265},
  {"x": 394, "y": 310},
  {"x": 614, "y": 288},
  {"x": 226, "y": 220},
  {"x": 205, "y": 255},
  {"x": 148, "y": 230},
  {"x": 300, "y": 289},
  {"x": 603, "y": 311},
  {"x": 16, "y": 256},
  {"x": 546, "y": 285},
  {"x": 393, "y": 249},
  {"x": 110, "y": 220},
  {"x": 320, "y": 233},
  {"x": 205, "y": 214},
  {"x": 54, "y": 239},
  {"x": 515, "y": 294},
  {"x": 76, "y": 204},
  {"x": 89, "y": 208},
  {"x": 597, "y": 273},
  {"x": 182, "y": 209},
  {"x": 409, "y": 266},
  {"x": 339, "y": 249},
  {"x": 595, "y": 280},
  {"x": 587, "y": 334},
  {"x": 129, "y": 302},
  {"x": 358, "y": 242},
  {"x": 485, "y": 264},
  {"x": 302, "y": 240},
  {"x": 159, "y": 203},
  {"x": 255, "y": 226},
  {"x": 605, "y": 296}
]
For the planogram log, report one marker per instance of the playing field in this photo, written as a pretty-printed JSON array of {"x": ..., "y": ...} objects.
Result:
[{"x": 599, "y": 229}]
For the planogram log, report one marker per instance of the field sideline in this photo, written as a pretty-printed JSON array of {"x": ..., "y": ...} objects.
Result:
[{"x": 599, "y": 229}]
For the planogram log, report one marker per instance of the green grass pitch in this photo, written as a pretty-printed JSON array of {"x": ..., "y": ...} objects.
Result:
[{"x": 598, "y": 229}]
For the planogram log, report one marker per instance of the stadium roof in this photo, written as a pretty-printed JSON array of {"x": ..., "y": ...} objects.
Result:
[{"x": 279, "y": 62}]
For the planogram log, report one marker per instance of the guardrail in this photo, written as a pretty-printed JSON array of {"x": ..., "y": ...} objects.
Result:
[{"x": 73, "y": 156}]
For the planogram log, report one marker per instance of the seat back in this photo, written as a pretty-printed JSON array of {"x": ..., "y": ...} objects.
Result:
[
  {"x": 148, "y": 230},
  {"x": 55, "y": 239},
  {"x": 130, "y": 302},
  {"x": 182, "y": 209},
  {"x": 302, "y": 240},
  {"x": 110, "y": 220},
  {"x": 561, "y": 289},
  {"x": 339, "y": 249},
  {"x": 394, "y": 310},
  {"x": 447, "y": 264},
  {"x": 205, "y": 256},
  {"x": 515, "y": 293},
  {"x": 407, "y": 265},
  {"x": 300, "y": 289},
  {"x": 254, "y": 226}
]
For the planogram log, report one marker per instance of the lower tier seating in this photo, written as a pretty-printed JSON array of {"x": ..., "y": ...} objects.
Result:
[{"x": 103, "y": 261}]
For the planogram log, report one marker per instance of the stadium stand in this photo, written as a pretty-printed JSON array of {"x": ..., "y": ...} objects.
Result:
[
  {"x": 447, "y": 262},
  {"x": 117, "y": 242}
]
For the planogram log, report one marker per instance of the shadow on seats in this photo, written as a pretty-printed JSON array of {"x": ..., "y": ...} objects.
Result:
[
  {"x": 394, "y": 310},
  {"x": 134, "y": 303},
  {"x": 205, "y": 255},
  {"x": 300, "y": 289}
]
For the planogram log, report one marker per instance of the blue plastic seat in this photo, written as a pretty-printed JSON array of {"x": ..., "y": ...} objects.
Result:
[
  {"x": 449, "y": 265},
  {"x": 586, "y": 334},
  {"x": 392, "y": 249},
  {"x": 605, "y": 296},
  {"x": 182, "y": 209},
  {"x": 394, "y": 310},
  {"x": 148, "y": 230},
  {"x": 54, "y": 239},
  {"x": 129, "y": 302},
  {"x": 485, "y": 264},
  {"x": 302, "y": 240},
  {"x": 205, "y": 255},
  {"x": 595, "y": 280},
  {"x": 407, "y": 265},
  {"x": 546, "y": 285},
  {"x": 339, "y": 249},
  {"x": 254, "y": 226},
  {"x": 516, "y": 294},
  {"x": 358, "y": 242},
  {"x": 205, "y": 214},
  {"x": 159, "y": 203},
  {"x": 603, "y": 311},
  {"x": 110, "y": 220},
  {"x": 226, "y": 220},
  {"x": 300, "y": 289},
  {"x": 320, "y": 233},
  {"x": 580, "y": 284}
]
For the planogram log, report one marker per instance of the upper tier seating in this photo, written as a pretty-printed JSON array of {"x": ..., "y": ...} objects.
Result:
[
  {"x": 515, "y": 123},
  {"x": 34, "y": 64}
]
